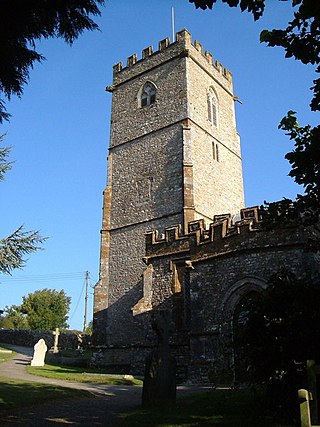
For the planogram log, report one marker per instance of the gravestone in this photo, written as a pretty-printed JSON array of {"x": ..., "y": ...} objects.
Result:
[
  {"x": 56, "y": 334},
  {"x": 40, "y": 350},
  {"x": 159, "y": 384},
  {"x": 313, "y": 377},
  {"x": 304, "y": 402}
]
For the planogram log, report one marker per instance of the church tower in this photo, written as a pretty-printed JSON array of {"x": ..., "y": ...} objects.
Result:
[{"x": 174, "y": 157}]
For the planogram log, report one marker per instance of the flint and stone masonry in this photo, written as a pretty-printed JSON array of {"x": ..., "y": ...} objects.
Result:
[
  {"x": 175, "y": 233},
  {"x": 161, "y": 168}
]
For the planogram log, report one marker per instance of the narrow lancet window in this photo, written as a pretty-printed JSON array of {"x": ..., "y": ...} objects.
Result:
[
  {"x": 212, "y": 108},
  {"x": 215, "y": 151},
  {"x": 148, "y": 95}
]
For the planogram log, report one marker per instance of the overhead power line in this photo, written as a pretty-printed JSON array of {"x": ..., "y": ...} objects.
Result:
[
  {"x": 50, "y": 277},
  {"x": 79, "y": 299}
]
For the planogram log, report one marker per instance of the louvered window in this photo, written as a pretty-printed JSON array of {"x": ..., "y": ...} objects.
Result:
[{"x": 148, "y": 95}]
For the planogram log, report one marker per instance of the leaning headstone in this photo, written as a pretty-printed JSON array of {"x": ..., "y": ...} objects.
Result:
[
  {"x": 159, "y": 384},
  {"x": 40, "y": 350}
]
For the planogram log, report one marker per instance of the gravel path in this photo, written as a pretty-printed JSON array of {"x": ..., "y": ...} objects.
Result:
[{"x": 107, "y": 406}]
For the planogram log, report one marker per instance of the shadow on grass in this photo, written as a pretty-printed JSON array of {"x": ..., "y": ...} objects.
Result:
[
  {"x": 15, "y": 393},
  {"x": 30, "y": 404},
  {"x": 218, "y": 408}
]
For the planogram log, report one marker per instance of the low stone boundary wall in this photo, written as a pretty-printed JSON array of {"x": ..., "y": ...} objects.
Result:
[{"x": 27, "y": 338}]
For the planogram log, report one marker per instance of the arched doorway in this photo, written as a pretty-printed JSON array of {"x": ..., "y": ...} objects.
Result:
[
  {"x": 232, "y": 317},
  {"x": 240, "y": 331}
]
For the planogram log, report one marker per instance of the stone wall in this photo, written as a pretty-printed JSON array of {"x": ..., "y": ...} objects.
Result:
[
  {"x": 217, "y": 180},
  {"x": 28, "y": 338},
  {"x": 220, "y": 265}
]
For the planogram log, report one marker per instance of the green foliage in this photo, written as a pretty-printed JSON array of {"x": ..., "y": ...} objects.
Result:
[
  {"x": 279, "y": 214},
  {"x": 20, "y": 242},
  {"x": 305, "y": 158},
  {"x": 14, "y": 247},
  {"x": 256, "y": 7},
  {"x": 5, "y": 165},
  {"x": 23, "y": 23},
  {"x": 46, "y": 310},
  {"x": 288, "y": 213},
  {"x": 282, "y": 334},
  {"x": 13, "y": 319}
]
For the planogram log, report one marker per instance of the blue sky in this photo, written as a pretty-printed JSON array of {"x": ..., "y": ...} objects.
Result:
[{"x": 60, "y": 130}]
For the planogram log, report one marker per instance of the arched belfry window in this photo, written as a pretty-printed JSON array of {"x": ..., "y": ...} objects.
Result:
[
  {"x": 213, "y": 107},
  {"x": 148, "y": 94}
]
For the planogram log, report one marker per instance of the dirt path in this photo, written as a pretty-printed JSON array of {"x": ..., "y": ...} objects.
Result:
[{"x": 108, "y": 405}]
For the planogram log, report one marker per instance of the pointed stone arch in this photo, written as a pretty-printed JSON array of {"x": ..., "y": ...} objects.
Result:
[
  {"x": 236, "y": 292},
  {"x": 228, "y": 354}
]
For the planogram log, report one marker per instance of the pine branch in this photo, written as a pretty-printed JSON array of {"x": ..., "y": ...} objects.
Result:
[
  {"x": 4, "y": 164},
  {"x": 14, "y": 247}
]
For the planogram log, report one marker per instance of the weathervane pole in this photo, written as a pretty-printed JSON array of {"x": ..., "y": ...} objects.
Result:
[{"x": 172, "y": 22}]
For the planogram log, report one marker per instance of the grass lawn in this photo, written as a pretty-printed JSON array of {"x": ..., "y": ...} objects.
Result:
[
  {"x": 17, "y": 393},
  {"x": 220, "y": 408},
  {"x": 4, "y": 356},
  {"x": 84, "y": 375}
]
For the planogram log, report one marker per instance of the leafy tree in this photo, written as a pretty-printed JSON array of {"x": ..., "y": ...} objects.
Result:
[
  {"x": 20, "y": 242},
  {"x": 46, "y": 310},
  {"x": 13, "y": 319},
  {"x": 23, "y": 23},
  {"x": 300, "y": 40},
  {"x": 256, "y": 7},
  {"x": 282, "y": 333}
]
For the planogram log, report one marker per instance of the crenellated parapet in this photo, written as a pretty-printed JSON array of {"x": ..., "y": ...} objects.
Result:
[
  {"x": 223, "y": 236},
  {"x": 182, "y": 46}
]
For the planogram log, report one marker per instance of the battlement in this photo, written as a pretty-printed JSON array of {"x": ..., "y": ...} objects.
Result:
[
  {"x": 221, "y": 228},
  {"x": 222, "y": 237},
  {"x": 182, "y": 38}
]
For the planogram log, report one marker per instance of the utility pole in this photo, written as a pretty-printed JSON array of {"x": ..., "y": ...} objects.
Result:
[{"x": 86, "y": 301}]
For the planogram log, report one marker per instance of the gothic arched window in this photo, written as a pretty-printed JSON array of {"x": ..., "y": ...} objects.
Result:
[
  {"x": 212, "y": 107},
  {"x": 148, "y": 95}
]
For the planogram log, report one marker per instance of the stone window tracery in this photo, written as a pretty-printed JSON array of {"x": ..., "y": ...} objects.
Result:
[{"x": 148, "y": 95}]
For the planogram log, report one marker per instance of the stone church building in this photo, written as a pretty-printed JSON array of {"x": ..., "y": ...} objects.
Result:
[{"x": 176, "y": 235}]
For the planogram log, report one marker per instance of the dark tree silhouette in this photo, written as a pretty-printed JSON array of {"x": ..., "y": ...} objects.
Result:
[{"x": 23, "y": 23}]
